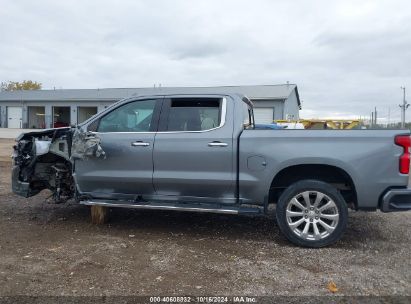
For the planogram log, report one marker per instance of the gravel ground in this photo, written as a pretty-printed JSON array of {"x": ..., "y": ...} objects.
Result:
[{"x": 48, "y": 249}]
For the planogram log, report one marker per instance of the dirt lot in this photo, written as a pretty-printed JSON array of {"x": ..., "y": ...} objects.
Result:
[{"x": 48, "y": 249}]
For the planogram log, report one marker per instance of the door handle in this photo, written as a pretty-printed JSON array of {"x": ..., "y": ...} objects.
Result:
[
  {"x": 140, "y": 144},
  {"x": 217, "y": 144}
]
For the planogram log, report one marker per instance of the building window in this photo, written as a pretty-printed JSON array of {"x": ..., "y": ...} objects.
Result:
[{"x": 61, "y": 117}]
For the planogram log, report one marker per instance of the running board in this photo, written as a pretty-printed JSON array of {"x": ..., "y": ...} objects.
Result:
[{"x": 176, "y": 207}]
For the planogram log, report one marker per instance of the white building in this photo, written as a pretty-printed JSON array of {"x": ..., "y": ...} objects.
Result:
[{"x": 57, "y": 108}]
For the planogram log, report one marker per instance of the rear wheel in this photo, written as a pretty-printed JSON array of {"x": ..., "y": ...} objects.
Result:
[{"x": 312, "y": 213}]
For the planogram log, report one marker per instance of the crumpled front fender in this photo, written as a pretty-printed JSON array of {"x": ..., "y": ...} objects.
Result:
[{"x": 86, "y": 145}]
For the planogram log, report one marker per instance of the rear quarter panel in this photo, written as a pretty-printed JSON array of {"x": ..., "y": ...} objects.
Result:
[{"x": 370, "y": 157}]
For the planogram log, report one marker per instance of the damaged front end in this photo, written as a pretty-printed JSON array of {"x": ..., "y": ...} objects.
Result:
[
  {"x": 45, "y": 160},
  {"x": 41, "y": 160}
]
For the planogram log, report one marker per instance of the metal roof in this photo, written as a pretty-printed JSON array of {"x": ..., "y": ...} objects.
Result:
[{"x": 282, "y": 91}]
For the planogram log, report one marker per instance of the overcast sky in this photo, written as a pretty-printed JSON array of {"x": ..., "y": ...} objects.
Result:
[{"x": 345, "y": 56}]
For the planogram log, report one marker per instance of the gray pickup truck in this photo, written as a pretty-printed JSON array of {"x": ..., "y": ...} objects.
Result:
[{"x": 203, "y": 153}]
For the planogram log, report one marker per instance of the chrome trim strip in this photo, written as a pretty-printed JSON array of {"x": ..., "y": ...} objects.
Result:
[{"x": 159, "y": 207}]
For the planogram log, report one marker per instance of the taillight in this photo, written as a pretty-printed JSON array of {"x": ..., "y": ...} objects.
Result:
[{"x": 405, "y": 142}]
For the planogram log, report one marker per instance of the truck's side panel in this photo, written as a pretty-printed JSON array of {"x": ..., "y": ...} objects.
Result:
[{"x": 369, "y": 157}]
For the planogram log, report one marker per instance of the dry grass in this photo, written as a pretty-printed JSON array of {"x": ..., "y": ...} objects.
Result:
[{"x": 6, "y": 149}]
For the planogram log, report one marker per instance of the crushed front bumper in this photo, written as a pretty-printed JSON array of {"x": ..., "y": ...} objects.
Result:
[
  {"x": 396, "y": 200},
  {"x": 19, "y": 187}
]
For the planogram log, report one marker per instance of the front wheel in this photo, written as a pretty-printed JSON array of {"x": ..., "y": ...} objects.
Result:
[{"x": 312, "y": 213}]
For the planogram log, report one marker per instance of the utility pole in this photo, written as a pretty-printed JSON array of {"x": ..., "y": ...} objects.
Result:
[
  {"x": 403, "y": 107},
  {"x": 372, "y": 119},
  {"x": 389, "y": 117},
  {"x": 375, "y": 116}
]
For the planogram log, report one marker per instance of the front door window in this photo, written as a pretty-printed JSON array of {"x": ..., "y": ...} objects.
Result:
[{"x": 133, "y": 117}]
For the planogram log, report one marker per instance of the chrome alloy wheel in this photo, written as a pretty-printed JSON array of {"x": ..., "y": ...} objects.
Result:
[{"x": 312, "y": 215}]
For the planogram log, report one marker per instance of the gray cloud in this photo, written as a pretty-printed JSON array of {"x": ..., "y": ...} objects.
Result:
[
  {"x": 194, "y": 49},
  {"x": 345, "y": 56}
]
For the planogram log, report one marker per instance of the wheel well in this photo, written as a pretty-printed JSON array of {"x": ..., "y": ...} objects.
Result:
[{"x": 335, "y": 176}]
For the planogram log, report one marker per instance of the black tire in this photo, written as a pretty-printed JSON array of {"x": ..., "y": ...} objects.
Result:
[{"x": 315, "y": 186}]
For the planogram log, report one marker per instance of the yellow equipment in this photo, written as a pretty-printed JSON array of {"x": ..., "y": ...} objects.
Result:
[{"x": 342, "y": 124}]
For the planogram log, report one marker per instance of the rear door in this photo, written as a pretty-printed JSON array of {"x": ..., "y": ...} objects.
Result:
[
  {"x": 194, "y": 153},
  {"x": 127, "y": 137}
]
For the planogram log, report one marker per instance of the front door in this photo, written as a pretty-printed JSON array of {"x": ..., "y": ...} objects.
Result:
[
  {"x": 14, "y": 117},
  {"x": 193, "y": 153},
  {"x": 127, "y": 138}
]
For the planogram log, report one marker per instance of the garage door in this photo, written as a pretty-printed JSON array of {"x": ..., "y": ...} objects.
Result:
[
  {"x": 84, "y": 113},
  {"x": 263, "y": 115},
  {"x": 14, "y": 117}
]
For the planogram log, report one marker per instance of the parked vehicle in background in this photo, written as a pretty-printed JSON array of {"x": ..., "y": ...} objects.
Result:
[{"x": 203, "y": 153}]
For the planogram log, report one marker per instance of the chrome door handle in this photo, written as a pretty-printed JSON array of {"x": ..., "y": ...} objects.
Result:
[
  {"x": 140, "y": 144},
  {"x": 217, "y": 144}
]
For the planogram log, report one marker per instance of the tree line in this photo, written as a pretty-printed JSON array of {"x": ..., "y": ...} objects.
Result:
[{"x": 20, "y": 85}]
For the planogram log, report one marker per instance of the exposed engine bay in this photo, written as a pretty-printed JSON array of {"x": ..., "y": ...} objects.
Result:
[{"x": 45, "y": 160}]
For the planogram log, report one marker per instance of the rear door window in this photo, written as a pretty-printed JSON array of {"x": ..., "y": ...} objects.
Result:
[{"x": 194, "y": 114}]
